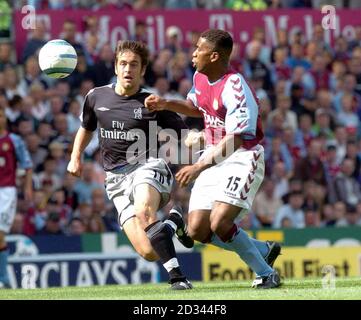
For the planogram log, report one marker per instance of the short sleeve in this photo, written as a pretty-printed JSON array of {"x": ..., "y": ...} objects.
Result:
[
  {"x": 88, "y": 117},
  {"x": 21, "y": 151},
  {"x": 242, "y": 107},
  {"x": 192, "y": 92}
]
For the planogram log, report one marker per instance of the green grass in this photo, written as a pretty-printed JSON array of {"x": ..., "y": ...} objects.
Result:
[{"x": 349, "y": 288}]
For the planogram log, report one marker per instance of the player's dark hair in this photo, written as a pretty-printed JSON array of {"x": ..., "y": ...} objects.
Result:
[
  {"x": 222, "y": 40},
  {"x": 136, "y": 47}
]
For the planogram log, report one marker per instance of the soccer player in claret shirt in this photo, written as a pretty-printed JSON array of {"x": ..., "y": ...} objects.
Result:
[
  {"x": 12, "y": 152},
  {"x": 138, "y": 189},
  {"x": 231, "y": 169}
]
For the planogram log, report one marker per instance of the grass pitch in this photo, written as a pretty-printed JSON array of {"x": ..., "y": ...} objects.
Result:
[{"x": 345, "y": 288}]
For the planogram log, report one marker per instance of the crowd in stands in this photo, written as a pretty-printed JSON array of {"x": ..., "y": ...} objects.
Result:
[{"x": 310, "y": 98}]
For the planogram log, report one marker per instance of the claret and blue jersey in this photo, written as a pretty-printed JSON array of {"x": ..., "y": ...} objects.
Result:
[
  {"x": 229, "y": 106},
  {"x": 12, "y": 152}
]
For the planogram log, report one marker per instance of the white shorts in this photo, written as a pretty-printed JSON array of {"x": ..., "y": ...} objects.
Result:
[
  {"x": 120, "y": 185},
  {"x": 8, "y": 200},
  {"x": 235, "y": 180}
]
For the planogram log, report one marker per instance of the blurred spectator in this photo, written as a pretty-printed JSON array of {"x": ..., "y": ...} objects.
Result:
[
  {"x": 57, "y": 151},
  {"x": 6, "y": 18},
  {"x": 48, "y": 176},
  {"x": 332, "y": 166},
  {"x": 18, "y": 224},
  {"x": 146, "y": 4},
  {"x": 312, "y": 218},
  {"x": 210, "y": 4},
  {"x": 296, "y": 151},
  {"x": 69, "y": 34},
  {"x": 45, "y": 133},
  {"x": 340, "y": 142},
  {"x": 304, "y": 134},
  {"x": 82, "y": 74},
  {"x": 352, "y": 217},
  {"x": 323, "y": 124},
  {"x": 13, "y": 108},
  {"x": 356, "y": 42},
  {"x": 61, "y": 126},
  {"x": 73, "y": 116},
  {"x": 328, "y": 216},
  {"x": 37, "y": 153},
  {"x": 94, "y": 40},
  {"x": 246, "y": 5},
  {"x": 311, "y": 166},
  {"x": 338, "y": 71},
  {"x": 353, "y": 153},
  {"x": 279, "y": 176},
  {"x": 254, "y": 67},
  {"x": 11, "y": 83},
  {"x": 283, "y": 104},
  {"x": 347, "y": 117},
  {"x": 266, "y": 204},
  {"x": 319, "y": 74},
  {"x": 339, "y": 211},
  {"x": 76, "y": 227},
  {"x": 279, "y": 69},
  {"x": 32, "y": 75},
  {"x": 36, "y": 214},
  {"x": 40, "y": 106},
  {"x": 296, "y": 58},
  {"x": 37, "y": 39},
  {"x": 102, "y": 209},
  {"x": 103, "y": 71},
  {"x": 71, "y": 197},
  {"x": 57, "y": 204},
  {"x": 52, "y": 226},
  {"x": 278, "y": 152},
  {"x": 85, "y": 186},
  {"x": 314, "y": 195},
  {"x": 184, "y": 4},
  {"x": 173, "y": 39},
  {"x": 292, "y": 211},
  {"x": 345, "y": 187},
  {"x": 140, "y": 33}
]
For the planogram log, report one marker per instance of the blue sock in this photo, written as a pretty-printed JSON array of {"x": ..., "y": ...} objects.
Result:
[
  {"x": 4, "y": 278},
  {"x": 261, "y": 246},
  {"x": 245, "y": 248}
]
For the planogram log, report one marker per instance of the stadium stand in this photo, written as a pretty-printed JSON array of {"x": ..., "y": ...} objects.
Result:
[{"x": 310, "y": 93}]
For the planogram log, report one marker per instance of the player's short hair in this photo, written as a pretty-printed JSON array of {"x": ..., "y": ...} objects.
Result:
[
  {"x": 136, "y": 47},
  {"x": 222, "y": 40}
]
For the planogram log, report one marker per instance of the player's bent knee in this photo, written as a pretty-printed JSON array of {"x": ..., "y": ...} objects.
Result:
[
  {"x": 198, "y": 233},
  {"x": 145, "y": 214},
  {"x": 148, "y": 254},
  {"x": 220, "y": 227}
]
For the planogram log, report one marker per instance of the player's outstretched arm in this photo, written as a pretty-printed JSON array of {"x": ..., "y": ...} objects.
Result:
[
  {"x": 82, "y": 139},
  {"x": 186, "y": 107},
  {"x": 28, "y": 184},
  {"x": 222, "y": 151}
]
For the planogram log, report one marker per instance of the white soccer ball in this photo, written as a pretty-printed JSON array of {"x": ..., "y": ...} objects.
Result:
[{"x": 57, "y": 58}]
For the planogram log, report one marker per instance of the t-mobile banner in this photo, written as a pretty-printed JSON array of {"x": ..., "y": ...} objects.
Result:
[{"x": 120, "y": 24}]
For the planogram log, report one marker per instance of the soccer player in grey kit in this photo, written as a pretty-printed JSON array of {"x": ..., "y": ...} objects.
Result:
[{"x": 137, "y": 189}]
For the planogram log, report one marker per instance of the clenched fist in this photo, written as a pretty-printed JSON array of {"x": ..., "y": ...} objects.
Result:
[
  {"x": 154, "y": 103},
  {"x": 74, "y": 167}
]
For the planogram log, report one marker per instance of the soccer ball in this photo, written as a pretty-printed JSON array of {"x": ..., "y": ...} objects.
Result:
[{"x": 57, "y": 58}]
